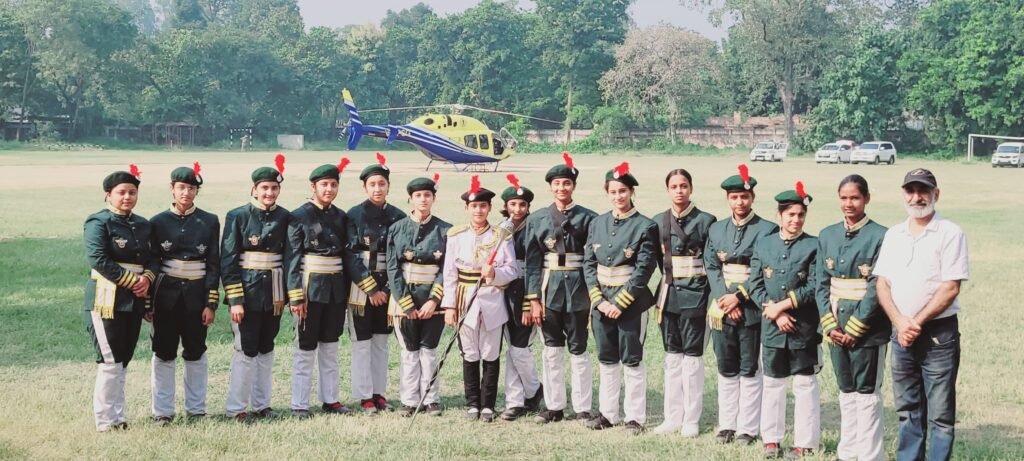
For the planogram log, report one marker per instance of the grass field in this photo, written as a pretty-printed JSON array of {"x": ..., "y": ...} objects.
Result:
[{"x": 47, "y": 373}]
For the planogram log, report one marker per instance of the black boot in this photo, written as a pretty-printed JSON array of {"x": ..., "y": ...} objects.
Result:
[
  {"x": 490, "y": 386},
  {"x": 471, "y": 382}
]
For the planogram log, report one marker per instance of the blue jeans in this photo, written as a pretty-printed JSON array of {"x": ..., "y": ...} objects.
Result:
[{"x": 924, "y": 381}]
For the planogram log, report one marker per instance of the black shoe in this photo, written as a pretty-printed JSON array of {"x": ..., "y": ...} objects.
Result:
[
  {"x": 406, "y": 411},
  {"x": 264, "y": 413},
  {"x": 549, "y": 416},
  {"x": 381, "y": 403},
  {"x": 584, "y": 416},
  {"x": 121, "y": 426},
  {"x": 745, "y": 439},
  {"x": 433, "y": 409},
  {"x": 195, "y": 416},
  {"x": 533, "y": 403},
  {"x": 162, "y": 421},
  {"x": 514, "y": 413},
  {"x": 598, "y": 423},
  {"x": 772, "y": 451},
  {"x": 725, "y": 436},
  {"x": 335, "y": 408},
  {"x": 487, "y": 415},
  {"x": 244, "y": 417},
  {"x": 301, "y": 414},
  {"x": 634, "y": 428}
]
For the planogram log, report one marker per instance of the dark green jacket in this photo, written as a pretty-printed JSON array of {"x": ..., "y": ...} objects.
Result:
[
  {"x": 194, "y": 236},
  {"x": 851, "y": 255},
  {"x": 250, "y": 228},
  {"x": 112, "y": 238},
  {"x": 319, "y": 232},
  {"x": 781, "y": 269},
  {"x": 732, "y": 244},
  {"x": 515, "y": 292},
  {"x": 688, "y": 296},
  {"x": 566, "y": 291},
  {"x": 627, "y": 242},
  {"x": 368, "y": 232},
  {"x": 414, "y": 243}
]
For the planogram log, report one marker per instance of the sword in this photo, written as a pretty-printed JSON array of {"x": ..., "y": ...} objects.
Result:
[{"x": 501, "y": 231}]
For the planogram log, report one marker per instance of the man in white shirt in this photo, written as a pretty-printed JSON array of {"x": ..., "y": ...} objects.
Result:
[{"x": 920, "y": 267}]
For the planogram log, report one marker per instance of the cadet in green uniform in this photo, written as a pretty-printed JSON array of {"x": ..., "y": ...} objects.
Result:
[
  {"x": 734, "y": 319},
  {"x": 318, "y": 290},
  {"x": 416, "y": 252},
  {"x": 682, "y": 304},
  {"x": 117, "y": 246},
  {"x": 523, "y": 391},
  {"x": 369, "y": 328},
  {"x": 618, "y": 262},
  {"x": 852, "y": 321},
  {"x": 479, "y": 251},
  {"x": 186, "y": 242},
  {"x": 557, "y": 291},
  {"x": 782, "y": 272},
  {"x": 254, "y": 253}
]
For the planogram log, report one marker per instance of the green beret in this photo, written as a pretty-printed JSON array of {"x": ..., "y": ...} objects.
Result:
[
  {"x": 374, "y": 170},
  {"x": 522, "y": 193},
  {"x": 186, "y": 175},
  {"x": 419, "y": 184},
  {"x": 794, "y": 196},
  {"x": 482, "y": 195},
  {"x": 119, "y": 177},
  {"x": 266, "y": 173},
  {"x": 734, "y": 183},
  {"x": 561, "y": 171},
  {"x": 621, "y": 174},
  {"x": 327, "y": 171}
]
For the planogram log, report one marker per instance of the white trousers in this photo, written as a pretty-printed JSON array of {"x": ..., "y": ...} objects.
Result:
[
  {"x": 684, "y": 393},
  {"x": 521, "y": 380},
  {"x": 263, "y": 385},
  {"x": 807, "y": 411},
  {"x": 739, "y": 403},
  {"x": 415, "y": 369},
  {"x": 369, "y": 367},
  {"x": 635, "y": 404},
  {"x": 163, "y": 372},
  {"x": 243, "y": 373},
  {"x": 553, "y": 377},
  {"x": 479, "y": 343},
  {"x": 108, "y": 395}
]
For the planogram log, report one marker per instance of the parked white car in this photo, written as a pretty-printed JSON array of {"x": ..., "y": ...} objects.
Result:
[
  {"x": 834, "y": 152},
  {"x": 1008, "y": 154},
  {"x": 769, "y": 151},
  {"x": 874, "y": 152}
]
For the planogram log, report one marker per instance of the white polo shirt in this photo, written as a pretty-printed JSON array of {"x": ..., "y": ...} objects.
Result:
[{"x": 917, "y": 266}]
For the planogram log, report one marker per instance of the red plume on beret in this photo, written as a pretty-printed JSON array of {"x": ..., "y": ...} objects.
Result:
[
  {"x": 196, "y": 168},
  {"x": 343, "y": 163},
  {"x": 474, "y": 185},
  {"x": 622, "y": 169},
  {"x": 514, "y": 181},
  {"x": 568, "y": 160},
  {"x": 800, "y": 189},
  {"x": 279, "y": 162},
  {"x": 745, "y": 175},
  {"x": 134, "y": 170},
  {"x": 437, "y": 177},
  {"x": 381, "y": 159}
]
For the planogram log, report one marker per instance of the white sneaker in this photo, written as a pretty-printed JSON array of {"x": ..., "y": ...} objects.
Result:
[
  {"x": 690, "y": 431},
  {"x": 666, "y": 428}
]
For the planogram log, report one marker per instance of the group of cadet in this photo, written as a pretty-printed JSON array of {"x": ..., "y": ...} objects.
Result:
[{"x": 766, "y": 294}]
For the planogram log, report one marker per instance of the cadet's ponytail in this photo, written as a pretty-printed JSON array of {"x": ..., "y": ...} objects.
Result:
[{"x": 859, "y": 181}]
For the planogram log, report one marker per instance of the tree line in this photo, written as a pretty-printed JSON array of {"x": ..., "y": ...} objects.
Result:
[{"x": 857, "y": 69}]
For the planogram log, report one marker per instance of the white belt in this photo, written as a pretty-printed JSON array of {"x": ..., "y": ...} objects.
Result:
[
  {"x": 322, "y": 264},
  {"x": 419, "y": 274},
  {"x": 188, "y": 270},
  {"x": 735, "y": 273},
  {"x": 380, "y": 265},
  {"x": 687, "y": 267},
  {"x": 573, "y": 261},
  {"x": 257, "y": 260},
  {"x": 614, "y": 276}
]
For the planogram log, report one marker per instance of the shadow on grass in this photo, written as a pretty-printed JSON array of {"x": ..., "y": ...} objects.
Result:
[{"x": 989, "y": 441}]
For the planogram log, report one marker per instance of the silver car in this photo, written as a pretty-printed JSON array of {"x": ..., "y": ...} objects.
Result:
[{"x": 834, "y": 152}]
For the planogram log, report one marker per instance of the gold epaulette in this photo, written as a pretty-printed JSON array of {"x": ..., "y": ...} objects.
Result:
[{"x": 456, "y": 230}]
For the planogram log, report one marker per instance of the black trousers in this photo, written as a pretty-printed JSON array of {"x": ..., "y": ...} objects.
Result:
[
  {"x": 176, "y": 323},
  {"x": 621, "y": 339},
  {"x": 256, "y": 333},
  {"x": 114, "y": 339},
  {"x": 561, "y": 327},
  {"x": 374, "y": 321},
  {"x": 683, "y": 335},
  {"x": 324, "y": 323},
  {"x": 421, "y": 333},
  {"x": 737, "y": 348}
]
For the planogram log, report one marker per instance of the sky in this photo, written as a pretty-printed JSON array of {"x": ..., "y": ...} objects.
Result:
[{"x": 337, "y": 13}]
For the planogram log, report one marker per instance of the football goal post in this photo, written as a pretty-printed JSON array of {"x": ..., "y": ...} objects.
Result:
[{"x": 972, "y": 137}]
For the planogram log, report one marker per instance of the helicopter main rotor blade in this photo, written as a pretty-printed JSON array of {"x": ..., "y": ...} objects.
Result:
[{"x": 512, "y": 114}]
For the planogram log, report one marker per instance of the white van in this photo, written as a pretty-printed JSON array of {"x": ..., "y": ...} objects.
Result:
[
  {"x": 874, "y": 152},
  {"x": 834, "y": 152},
  {"x": 769, "y": 151}
]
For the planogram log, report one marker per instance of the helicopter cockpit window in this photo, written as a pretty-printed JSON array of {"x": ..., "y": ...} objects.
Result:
[
  {"x": 470, "y": 141},
  {"x": 429, "y": 121},
  {"x": 484, "y": 143},
  {"x": 499, "y": 148}
]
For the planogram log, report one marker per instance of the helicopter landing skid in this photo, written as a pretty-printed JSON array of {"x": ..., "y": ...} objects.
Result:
[{"x": 472, "y": 167}]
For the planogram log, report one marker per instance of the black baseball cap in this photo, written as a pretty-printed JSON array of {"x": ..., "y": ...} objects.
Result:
[{"x": 920, "y": 175}]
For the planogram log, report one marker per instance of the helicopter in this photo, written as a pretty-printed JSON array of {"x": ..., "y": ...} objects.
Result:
[{"x": 453, "y": 139}]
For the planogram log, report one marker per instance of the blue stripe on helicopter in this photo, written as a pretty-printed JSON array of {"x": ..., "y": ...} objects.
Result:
[{"x": 451, "y": 151}]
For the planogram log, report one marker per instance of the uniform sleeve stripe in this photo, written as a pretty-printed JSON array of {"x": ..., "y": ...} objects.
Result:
[
  {"x": 792, "y": 297},
  {"x": 532, "y": 297}
]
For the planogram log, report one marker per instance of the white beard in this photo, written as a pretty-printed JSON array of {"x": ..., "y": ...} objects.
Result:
[{"x": 920, "y": 212}]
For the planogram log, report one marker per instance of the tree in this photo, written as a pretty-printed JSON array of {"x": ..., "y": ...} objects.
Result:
[
  {"x": 15, "y": 62},
  {"x": 789, "y": 41},
  {"x": 664, "y": 71},
  {"x": 578, "y": 37},
  {"x": 861, "y": 94}
]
